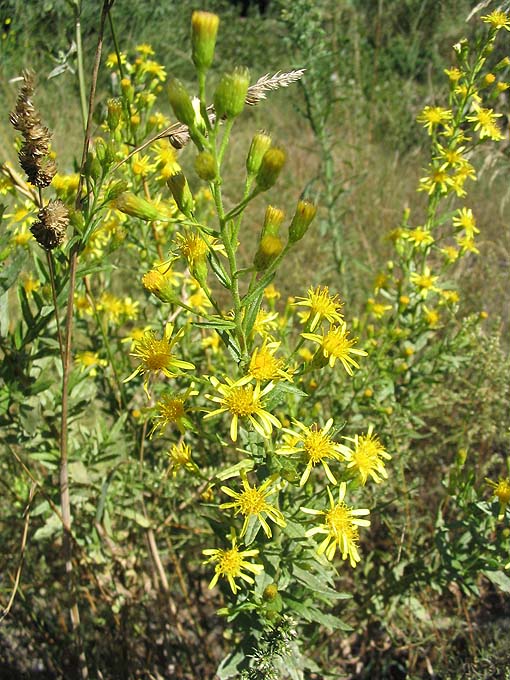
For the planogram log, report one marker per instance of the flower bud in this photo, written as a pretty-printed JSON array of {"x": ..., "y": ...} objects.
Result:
[
  {"x": 93, "y": 167},
  {"x": 258, "y": 147},
  {"x": 115, "y": 189},
  {"x": 114, "y": 114},
  {"x": 159, "y": 285},
  {"x": 181, "y": 192},
  {"x": 204, "y": 27},
  {"x": 231, "y": 92},
  {"x": 135, "y": 206},
  {"x": 127, "y": 89},
  {"x": 272, "y": 221},
  {"x": 270, "y": 592},
  {"x": 205, "y": 166},
  {"x": 303, "y": 217},
  {"x": 181, "y": 102},
  {"x": 269, "y": 249},
  {"x": 270, "y": 167}
]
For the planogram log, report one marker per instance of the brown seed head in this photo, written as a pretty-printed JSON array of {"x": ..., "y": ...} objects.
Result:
[{"x": 50, "y": 229}]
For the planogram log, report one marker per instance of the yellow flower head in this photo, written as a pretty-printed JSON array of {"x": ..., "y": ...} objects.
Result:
[
  {"x": 252, "y": 502},
  {"x": 497, "y": 20},
  {"x": 502, "y": 493},
  {"x": 170, "y": 410},
  {"x": 368, "y": 456},
  {"x": 243, "y": 401},
  {"x": 464, "y": 219},
  {"x": 180, "y": 457},
  {"x": 340, "y": 525},
  {"x": 265, "y": 366},
  {"x": 485, "y": 123},
  {"x": 322, "y": 306},
  {"x": 426, "y": 282},
  {"x": 336, "y": 344},
  {"x": 232, "y": 564},
  {"x": 315, "y": 445},
  {"x": 432, "y": 116},
  {"x": 156, "y": 355},
  {"x": 90, "y": 361}
]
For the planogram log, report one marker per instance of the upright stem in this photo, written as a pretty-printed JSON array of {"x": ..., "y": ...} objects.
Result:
[
  {"x": 64, "y": 450},
  {"x": 79, "y": 53}
]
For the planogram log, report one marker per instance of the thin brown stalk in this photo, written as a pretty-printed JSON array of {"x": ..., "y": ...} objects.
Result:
[
  {"x": 64, "y": 469},
  {"x": 17, "y": 578}
]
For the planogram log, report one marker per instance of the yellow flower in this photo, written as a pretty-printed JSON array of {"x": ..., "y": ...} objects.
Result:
[
  {"x": 30, "y": 284},
  {"x": 265, "y": 366},
  {"x": 335, "y": 344},
  {"x": 425, "y": 281},
  {"x": 450, "y": 296},
  {"x": 485, "y": 123},
  {"x": 156, "y": 355},
  {"x": 437, "y": 179},
  {"x": 432, "y": 116},
  {"x": 232, "y": 564},
  {"x": 451, "y": 253},
  {"x": 340, "y": 525},
  {"x": 112, "y": 60},
  {"x": 315, "y": 445},
  {"x": 271, "y": 293},
  {"x": 144, "y": 49},
  {"x": 454, "y": 74},
  {"x": 378, "y": 309},
  {"x": 90, "y": 360},
  {"x": 322, "y": 306},
  {"x": 242, "y": 400},
  {"x": 367, "y": 457},
  {"x": 497, "y": 20},
  {"x": 419, "y": 237},
  {"x": 180, "y": 457},
  {"x": 135, "y": 335},
  {"x": 141, "y": 165},
  {"x": 170, "y": 410},
  {"x": 265, "y": 323},
  {"x": 431, "y": 316},
  {"x": 467, "y": 244},
  {"x": 466, "y": 220},
  {"x": 252, "y": 502},
  {"x": 153, "y": 68},
  {"x": 502, "y": 493}
]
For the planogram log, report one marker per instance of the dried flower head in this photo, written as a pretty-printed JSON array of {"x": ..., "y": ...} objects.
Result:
[
  {"x": 34, "y": 155},
  {"x": 50, "y": 229}
]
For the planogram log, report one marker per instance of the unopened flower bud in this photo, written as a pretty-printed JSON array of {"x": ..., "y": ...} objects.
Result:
[
  {"x": 231, "y": 92},
  {"x": 181, "y": 192},
  {"x": 127, "y": 89},
  {"x": 159, "y": 285},
  {"x": 205, "y": 166},
  {"x": 50, "y": 229},
  {"x": 303, "y": 217},
  {"x": 93, "y": 166},
  {"x": 272, "y": 221},
  {"x": 114, "y": 114},
  {"x": 270, "y": 592},
  {"x": 181, "y": 102},
  {"x": 269, "y": 249},
  {"x": 258, "y": 147},
  {"x": 135, "y": 206},
  {"x": 115, "y": 189},
  {"x": 204, "y": 27},
  {"x": 271, "y": 166}
]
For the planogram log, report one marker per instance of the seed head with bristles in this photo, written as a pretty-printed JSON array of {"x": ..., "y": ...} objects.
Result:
[
  {"x": 50, "y": 229},
  {"x": 34, "y": 155}
]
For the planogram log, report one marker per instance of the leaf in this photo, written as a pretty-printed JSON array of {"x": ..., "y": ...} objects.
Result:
[
  {"x": 137, "y": 517},
  {"x": 499, "y": 579},
  {"x": 79, "y": 473},
  {"x": 318, "y": 585},
  {"x": 218, "y": 323}
]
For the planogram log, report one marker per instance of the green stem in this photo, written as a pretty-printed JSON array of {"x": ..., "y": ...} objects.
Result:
[{"x": 81, "y": 74}]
